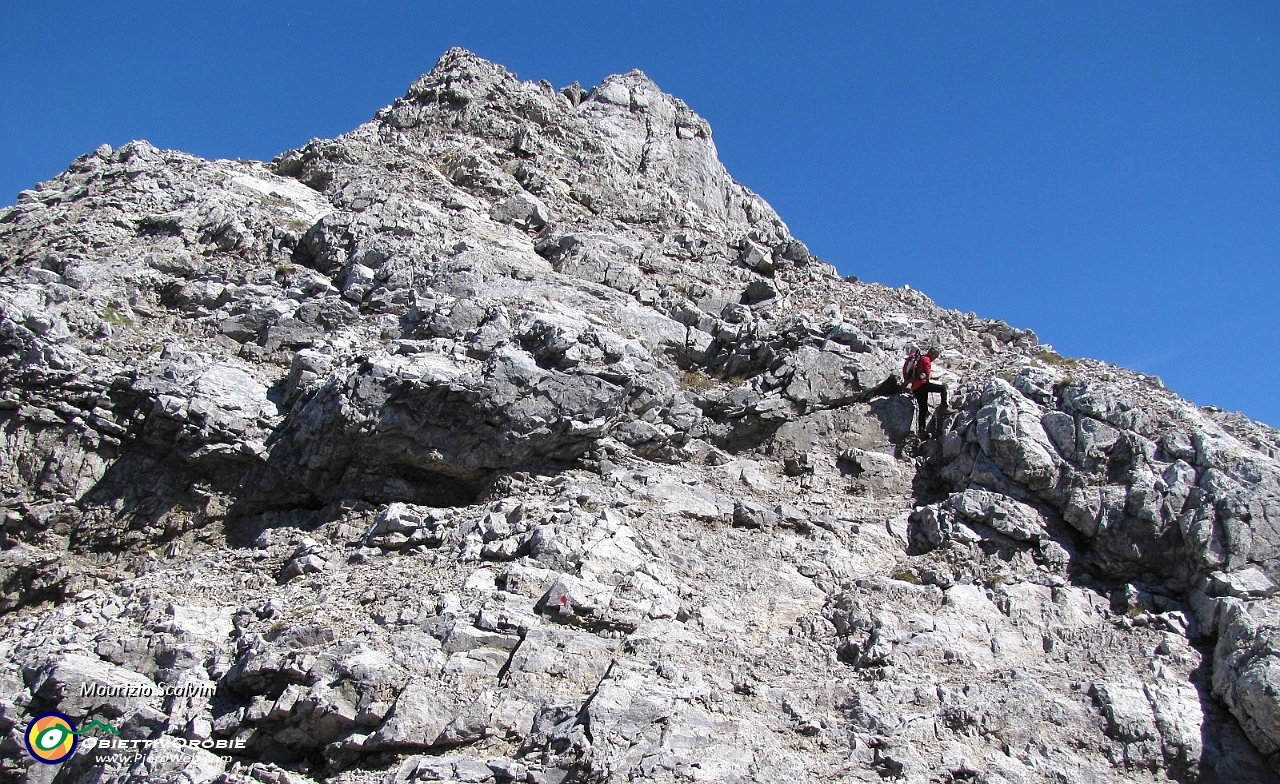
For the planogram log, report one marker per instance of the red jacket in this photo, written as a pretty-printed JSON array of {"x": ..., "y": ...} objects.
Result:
[{"x": 924, "y": 369}]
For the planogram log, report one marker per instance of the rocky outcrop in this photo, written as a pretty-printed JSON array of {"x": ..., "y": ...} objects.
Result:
[{"x": 507, "y": 438}]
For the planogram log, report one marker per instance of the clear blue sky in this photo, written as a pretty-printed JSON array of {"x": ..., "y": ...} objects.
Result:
[{"x": 1105, "y": 173}]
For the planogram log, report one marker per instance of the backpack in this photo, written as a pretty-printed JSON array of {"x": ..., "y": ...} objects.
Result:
[{"x": 909, "y": 367}]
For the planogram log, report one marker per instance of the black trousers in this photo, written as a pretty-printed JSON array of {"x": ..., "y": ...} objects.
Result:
[{"x": 922, "y": 401}]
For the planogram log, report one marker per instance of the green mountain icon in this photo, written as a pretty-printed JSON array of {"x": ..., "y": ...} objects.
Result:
[{"x": 98, "y": 725}]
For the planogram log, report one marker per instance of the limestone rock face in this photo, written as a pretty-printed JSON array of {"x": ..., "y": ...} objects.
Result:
[{"x": 507, "y": 438}]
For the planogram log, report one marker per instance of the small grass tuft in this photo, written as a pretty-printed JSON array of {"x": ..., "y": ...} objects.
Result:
[
  {"x": 112, "y": 315},
  {"x": 695, "y": 381},
  {"x": 906, "y": 576},
  {"x": 1051, "y": 357}
]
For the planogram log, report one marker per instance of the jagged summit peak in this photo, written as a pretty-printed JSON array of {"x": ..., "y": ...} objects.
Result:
[
  {"x": 635, "y": 79},
  {"x": 461, "y": 57},
  {"x": 459, "y": 67},
  {"x": 461, "y": 76},
  {"x": 625, "y": 151}
]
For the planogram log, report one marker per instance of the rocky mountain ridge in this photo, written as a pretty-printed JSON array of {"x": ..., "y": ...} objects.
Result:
[{"x": 507, "y": 438}]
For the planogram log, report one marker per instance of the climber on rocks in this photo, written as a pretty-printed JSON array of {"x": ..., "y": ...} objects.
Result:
[{"x": 918, "y": 373}]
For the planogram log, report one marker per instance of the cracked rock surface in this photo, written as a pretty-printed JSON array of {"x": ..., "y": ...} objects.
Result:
[{"x": 507, "y": 438}]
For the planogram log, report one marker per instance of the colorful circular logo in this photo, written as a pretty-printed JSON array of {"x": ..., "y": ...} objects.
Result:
[{"x": 51, "y": 738}]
